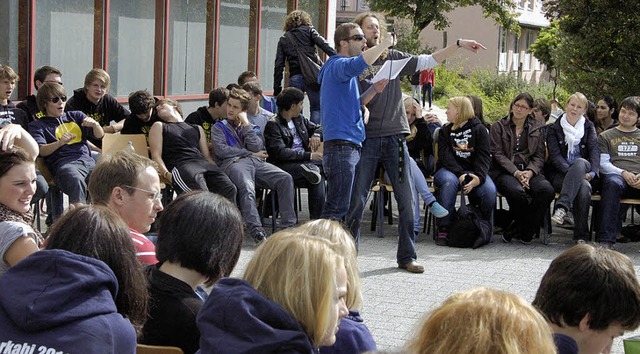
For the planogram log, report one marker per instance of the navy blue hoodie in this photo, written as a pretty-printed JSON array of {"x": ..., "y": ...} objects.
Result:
[
  {"x": 60, "y": 301},
  {"x": 238, "y": 319}
]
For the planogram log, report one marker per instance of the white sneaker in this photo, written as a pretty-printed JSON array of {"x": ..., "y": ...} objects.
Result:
[{"x": 558, "y": 216}]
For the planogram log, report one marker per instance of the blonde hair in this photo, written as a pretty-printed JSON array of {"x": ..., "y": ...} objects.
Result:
[
  {"x": 465, "y": 110},
  {"x": 484, "y": 321},
  {"x": 344, "y": 244},
  {"x": 97, "y": 74},
  {"x": 298, "y": 272},
  {"x": 581, "y": 98}
]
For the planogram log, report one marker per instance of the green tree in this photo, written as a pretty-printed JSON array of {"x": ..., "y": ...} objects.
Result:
[
  {"x": 598, "y": 46},
  {"x": 423, "y": 13}
]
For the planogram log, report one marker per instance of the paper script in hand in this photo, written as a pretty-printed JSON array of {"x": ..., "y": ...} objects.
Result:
[{"x": 390, "y": 69}]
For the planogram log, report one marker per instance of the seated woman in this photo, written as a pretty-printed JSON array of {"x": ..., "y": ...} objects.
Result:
[
  {"x": 483, "y": 321},
  {"x": 290, "y": 300},
  {"x": 420, "y": 147},
  {"x": 62, "y": 137},
  {"x": 199, "y": 241},
  {"x": 463, "y": 160},
  {"x": 17, "y": 187},
  {"x": 85, "y": 293},
  {"x": 353, "y": 335},
  {"x": 518, "y": 149},
  {"x": 574, "y": 161},
  {"x": 181, "y": 151},
  {"x": 606, "y": 114}
]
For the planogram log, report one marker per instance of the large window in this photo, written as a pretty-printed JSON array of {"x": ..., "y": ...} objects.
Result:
[
  {"x": 131, "y": 46},
  {"x": 9, "y": 39},
  {"x": 502, "y": 50},
  {"x": 273, "y": 14},
  {"x": 64, "y": 38},
  {"x": 233, "y": 46},
  {"x": 187, "y": 34}
]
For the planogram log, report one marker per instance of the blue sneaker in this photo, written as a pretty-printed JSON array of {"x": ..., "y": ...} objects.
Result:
[{"x": 438, "y": 210}]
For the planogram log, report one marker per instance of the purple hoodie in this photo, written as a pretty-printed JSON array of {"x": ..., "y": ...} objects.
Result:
[
  {"x": 238, "y": 319},
  {"x": 58, "y": 301}
]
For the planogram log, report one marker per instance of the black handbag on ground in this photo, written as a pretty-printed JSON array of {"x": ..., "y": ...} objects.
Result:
[
  {"x": 309, "y": 61},
  {"x": 469, "y": 229}
]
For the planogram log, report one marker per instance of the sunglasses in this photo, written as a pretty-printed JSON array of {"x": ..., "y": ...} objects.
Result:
[
  {"x": 56, "y": 99},
  {"x": 357, "y": 37}
]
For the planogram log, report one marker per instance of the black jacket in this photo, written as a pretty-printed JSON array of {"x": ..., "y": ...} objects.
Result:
[
  {"x": 30, "y": 106},
  {"x": 557, "y": 161},
  {"x": 465, "y": 149},
  {"x": 279, "y": 139},
  {"x": 306, "y": 35}
]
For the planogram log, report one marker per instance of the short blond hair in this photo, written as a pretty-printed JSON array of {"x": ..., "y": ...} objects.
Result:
[
  {"x": 97, "y": 74},
  {"x": 484, "y": 321},
  {"x": 298, "y": 272},
  {"x": 465, "y": 110},
  {"x": 581, "y": 98},
  {"x": 345, "y": 246}
]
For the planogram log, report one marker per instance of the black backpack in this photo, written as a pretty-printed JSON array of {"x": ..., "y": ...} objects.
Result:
[{"x": 469, "y": 229}]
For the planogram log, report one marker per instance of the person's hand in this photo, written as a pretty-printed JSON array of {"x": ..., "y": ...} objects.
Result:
[
  {"x": 67, "y": 137},
  {"x": 629, "y": 177},
  {"x": 365, "y": 114},
  {"x": 8, "y": 135},
  {"x": 261, "y": 154},
  {"x": 471, "y": 45},
  {"x": 380, "y": 85},
  {"x": 431, "y": 118},
  {"x": 587, "y": 176},
  {"x": 90, "y": 122},
  {"x": 316, "y": 156},
  {"x": 390, "y": 40},
  {"x": 314, "y": 143},
  {"x": 523, "y": 177},
  {"x": 475, "y": 181}
]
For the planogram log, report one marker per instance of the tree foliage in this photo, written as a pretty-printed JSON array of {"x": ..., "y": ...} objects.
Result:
[
  {"x": 423, "y": 13},
  {"x": 597, "y": 48}
]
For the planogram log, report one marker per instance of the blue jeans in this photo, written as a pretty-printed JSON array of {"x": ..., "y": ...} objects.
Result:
[
  {"x": 72, "y": 179},
  {"x": 386, "y": 150},
  {"x": 614, "y": 188},
  {"x": 420, "y": 188},
  {"x": 339, "y": 162},
  {"x": 483, "y": 196},
  {"x": 298, "y": 82}
]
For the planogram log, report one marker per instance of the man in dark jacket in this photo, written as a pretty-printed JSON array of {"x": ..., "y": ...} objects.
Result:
[
  {"x": 292, "y": 142},
  {"x": 43, "y": 74}
]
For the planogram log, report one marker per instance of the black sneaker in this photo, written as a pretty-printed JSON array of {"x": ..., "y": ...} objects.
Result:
[
  {"x": 259, "y": 236},
  {"x": 311, "y": 172}
]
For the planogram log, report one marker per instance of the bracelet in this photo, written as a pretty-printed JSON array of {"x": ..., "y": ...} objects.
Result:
[{"x": 458, "y": 42}]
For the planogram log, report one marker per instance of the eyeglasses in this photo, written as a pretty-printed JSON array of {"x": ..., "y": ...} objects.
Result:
[
  {"x": 56, "y": 99},
  {"x": 154, "y": 195},
  {"x": 356, "y": 37},
  {"x": 515, "y": 105}
]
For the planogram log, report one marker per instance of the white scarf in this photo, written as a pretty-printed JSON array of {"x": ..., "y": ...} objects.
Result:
[{"x": 572, "y": 134}]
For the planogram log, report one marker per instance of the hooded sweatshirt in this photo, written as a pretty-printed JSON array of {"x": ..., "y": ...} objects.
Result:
[
  {"x": 104, "y": 112},
  {"x": 58, "y": 301},
  {"x": 238, "y": 319}
]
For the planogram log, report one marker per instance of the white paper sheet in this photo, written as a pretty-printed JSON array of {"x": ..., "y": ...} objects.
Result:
[{"x": 390, "y": 69}]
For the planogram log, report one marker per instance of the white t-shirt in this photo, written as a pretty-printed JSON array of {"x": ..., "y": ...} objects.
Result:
[{"x": 9, "y": 232}]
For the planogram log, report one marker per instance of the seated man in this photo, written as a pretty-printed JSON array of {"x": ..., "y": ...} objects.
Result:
[
  {"x": 9, "y": 113},
  {"x": 43, "y": 74},
  {"x": 241, "y": 155},
  {"x": 128, "y": 183},
  {"x": 257, "y": 115},
  {"x": 62, "y": 137},
  {"x": 292, "y": 142},
  {"x": 95, "y": 101},
  {"x": 619, "y": 168},
  {"x": 142, "y": 117},
  {"x": 266, "y": 102},
  {"x": 199, "y": 242},
  {"x": 589, "y": 295},
  {"x": 181, "y": 152},
  {"x": 206, "y": 117}
]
